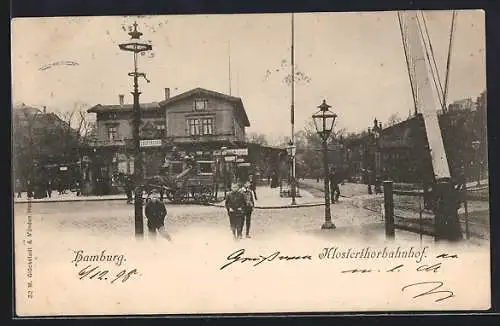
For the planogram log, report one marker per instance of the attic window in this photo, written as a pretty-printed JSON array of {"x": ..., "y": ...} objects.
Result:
[{"x": 200, "y": 104}]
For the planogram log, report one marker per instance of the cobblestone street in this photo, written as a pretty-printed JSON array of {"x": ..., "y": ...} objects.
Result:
[
  {"x": 357, "y": 216},
  {"x": 116, "y": 217}
]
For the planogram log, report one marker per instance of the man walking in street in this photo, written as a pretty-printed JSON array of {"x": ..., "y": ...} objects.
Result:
[
  {"x": 334, "y": 185},
  {"x": 49, "y": 188},
  {"x": 249, "y": 201},
  {"x": 19, "y": 188},
  {"x": 235, "y": 206},
  {"x": 129, "y": 185},
  {"x": 252, "y": 185},
  {"x": 156, "y": 212},
  {"x": 29, "y": 188}
]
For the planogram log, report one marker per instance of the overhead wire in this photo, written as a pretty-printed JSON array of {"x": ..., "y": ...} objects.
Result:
[
  {"x": 432, "y": 54},
  {"x": 452, "y": 30},
  {"x": 408, "y": 64},
  {"x": 429, "y": 60}
]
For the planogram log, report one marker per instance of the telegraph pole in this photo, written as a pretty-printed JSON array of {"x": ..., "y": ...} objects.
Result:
[{"x": 292, "y": 111}]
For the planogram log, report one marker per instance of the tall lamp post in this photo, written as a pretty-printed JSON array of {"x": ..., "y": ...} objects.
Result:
[
  {"x": 292, "y": 149},
  {"x": 475, "y": 146},
  {"x": 323, "y": 122},
  {"x": 377, "y": 132},
  {"x": 136, "y": 47}
]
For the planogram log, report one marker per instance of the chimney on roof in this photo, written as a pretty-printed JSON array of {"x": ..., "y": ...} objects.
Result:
[
  {"x": 121, "y": 99},
  {"x": 167, "y": 93}
]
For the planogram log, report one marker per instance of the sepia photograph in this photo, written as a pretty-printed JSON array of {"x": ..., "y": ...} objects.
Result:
[{"x": 250, "y": 163}]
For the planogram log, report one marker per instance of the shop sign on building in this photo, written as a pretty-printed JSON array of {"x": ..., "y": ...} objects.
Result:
[
  {"x": 150, "y": 142},
  {"x": 237, "y": 151}
]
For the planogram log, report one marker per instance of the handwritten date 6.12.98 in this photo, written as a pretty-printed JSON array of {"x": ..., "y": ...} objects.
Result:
[{"x": 98, "y": 273}]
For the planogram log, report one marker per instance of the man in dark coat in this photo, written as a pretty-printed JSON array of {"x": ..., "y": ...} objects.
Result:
[
  {"x": 274, "y": 180},
  {"x": 49, "y": 188},
  {"x": 156, "y": 212},
  {"x": 19, "y": 188},
  {"x": 252, "y": 185},
  {"x": 29, "y": 188},
  {"x": 334, "y": 185},
  {"x": 129, "y": 185},
  {"x": 235, "y": 206}
]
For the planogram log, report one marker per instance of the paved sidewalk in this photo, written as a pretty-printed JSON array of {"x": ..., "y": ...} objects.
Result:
[
  {"x": 67, "y": 197},
  {"x": 346, "y": 190},
  {"x": 266, "y": 198},
  {"x": 358, "y": 189}
]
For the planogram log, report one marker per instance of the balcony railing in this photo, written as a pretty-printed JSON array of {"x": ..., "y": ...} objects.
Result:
[{"x": 206, "y": 138}]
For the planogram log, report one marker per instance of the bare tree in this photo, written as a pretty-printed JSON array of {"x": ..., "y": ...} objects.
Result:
[
  {"x": 78, "y": 124},
  {"x": 393, "y": 119},
  {"x": 257, "y": 138}
]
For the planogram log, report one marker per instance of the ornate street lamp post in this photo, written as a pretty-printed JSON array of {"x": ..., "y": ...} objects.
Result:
[
  {"x": 475, "y": 146},
  {"x": 292, "y": 149},
  {"x": 323, "y": 122},
  {"x": 377, "y": 132},
  {"x": 136, "y": 47}
]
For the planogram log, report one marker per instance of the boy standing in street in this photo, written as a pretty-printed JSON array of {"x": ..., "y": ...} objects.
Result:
[
  {"x": 249, "y": 201},
  {"x": 235, "y": 206}
]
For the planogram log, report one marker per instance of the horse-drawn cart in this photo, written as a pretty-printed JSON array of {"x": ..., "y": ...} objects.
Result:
[{"x": 195, "y": 183}]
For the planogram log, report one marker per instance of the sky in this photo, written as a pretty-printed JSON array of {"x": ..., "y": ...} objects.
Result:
[{"x": 355, "y": 61}]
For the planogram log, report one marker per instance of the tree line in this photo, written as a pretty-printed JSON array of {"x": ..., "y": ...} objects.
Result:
[
  {"x": 43, "y": 138},
  {"x": 460, "y": 129}
]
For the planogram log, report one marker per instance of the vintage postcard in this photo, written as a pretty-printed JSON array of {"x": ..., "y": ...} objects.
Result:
[{"x": 250, "y": 163}]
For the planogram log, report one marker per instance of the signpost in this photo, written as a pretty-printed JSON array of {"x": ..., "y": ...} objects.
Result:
[
  {"x": 150, "y": 143},
  {"x": 237, "y": 151}
]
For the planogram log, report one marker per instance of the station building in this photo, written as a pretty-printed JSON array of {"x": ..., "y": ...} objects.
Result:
[{"x": 198, "y": 122}]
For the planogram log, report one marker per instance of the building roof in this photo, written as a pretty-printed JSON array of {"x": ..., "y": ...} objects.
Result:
[
  {"x": 238, "y": 104},
  {"x": 99, "y": 108},
  {"x": 37, "y": 117},
  {"x": 23, "y": 111},
  {"x": 197, "y": 91}
]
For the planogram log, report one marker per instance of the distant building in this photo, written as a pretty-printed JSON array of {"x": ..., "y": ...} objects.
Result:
[
  {"x": 462, "y": 105},
  {"x": 404, "y": 151}
]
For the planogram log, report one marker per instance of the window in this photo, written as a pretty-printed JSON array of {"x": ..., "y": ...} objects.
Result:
[
  {"x": 199, "y": 127},
  {"x": 207, "y": 126},
  {"x": 112, "y": 133},
  {"x": 160, "y": 130},
  {"x": 200, "y": 105},
  {"x": 194, "y": 127}
]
